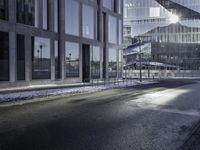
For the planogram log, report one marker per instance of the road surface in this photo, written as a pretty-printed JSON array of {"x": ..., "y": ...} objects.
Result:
[{"x": 148, "y": 117}]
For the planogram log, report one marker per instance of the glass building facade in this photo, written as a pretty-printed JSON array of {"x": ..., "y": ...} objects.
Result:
[
  {"x": 167, "y": 33},
  {"x": 65, "y": 41}
]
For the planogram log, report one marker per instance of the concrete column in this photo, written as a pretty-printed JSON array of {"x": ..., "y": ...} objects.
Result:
[
  {"x": 81, "y": 44},
  {"x": 62, "y": 37},
  {"x": 100, "y": 21},
  {"x": 101, "y": 63},
  {"x": 28, "y": 58},
  {"x": 106, "y": 45},
  {"x": 12, "y": 56},
  {"x": 52, "y": 49},
  {"x": 117, "y": 63}
]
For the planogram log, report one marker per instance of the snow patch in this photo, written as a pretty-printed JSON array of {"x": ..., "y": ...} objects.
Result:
[{"x": 58, "y": 91}]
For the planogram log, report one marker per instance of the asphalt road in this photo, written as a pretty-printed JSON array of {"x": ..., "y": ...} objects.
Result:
[{"x": 148, "y": 117}]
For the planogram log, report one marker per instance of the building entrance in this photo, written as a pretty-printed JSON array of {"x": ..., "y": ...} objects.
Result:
[{"x": 86, "y": 63}]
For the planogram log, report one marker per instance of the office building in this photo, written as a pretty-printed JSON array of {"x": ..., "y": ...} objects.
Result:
[
  {"x": 59, "y": 41},
  {"x": 166, "y": 31}
]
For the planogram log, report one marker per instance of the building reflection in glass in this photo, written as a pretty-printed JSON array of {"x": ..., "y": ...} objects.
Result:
[
  {"x": 112, "y": 63},
  {"x": 169, "y": 32},
  {"x": 41, "y": 58},
  {"x": 72, "y": 59},
  {"x": 27, "y": 12},
  {"x": 95, "y": 62}
]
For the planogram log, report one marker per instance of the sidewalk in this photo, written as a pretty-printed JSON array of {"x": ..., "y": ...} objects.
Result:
[{"x": 23, "y": 93}]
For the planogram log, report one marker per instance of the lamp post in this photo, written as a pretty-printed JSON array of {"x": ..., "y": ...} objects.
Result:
[
  {"x": 70, "y": 64},
  {"x": 140, "y": 60}
]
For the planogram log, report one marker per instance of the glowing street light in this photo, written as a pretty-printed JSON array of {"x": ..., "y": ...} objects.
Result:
[{"x": 173, "y": 18}]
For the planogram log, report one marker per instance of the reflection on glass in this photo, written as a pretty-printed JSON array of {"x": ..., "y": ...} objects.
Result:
[
  {"x": 41, "y": 58},
  {"x": 120, "y": 2},
  {"x": 95, "y": 62},
  {"x": 27, "y": 12},
  {"x": 20, "y": 57},
  {"x": 72, "y": 19},
  {"x": 167, "y": 44},
  {"x": 108, "y": 4},
  {"x": 44, "y": 16},
  {"x": 120, "y": 64},
  {"x": 112, "y": 30},
  {"x": 4, "y": 56},
  {"x": 72, "y": 59},
  {"x": 56, "y": 16},
  {"x": 120, "y": 32},
  {"x": 112, "y": 63},
  {"x": 88, "y": 21},
  {"x": 4, "y": 9}
]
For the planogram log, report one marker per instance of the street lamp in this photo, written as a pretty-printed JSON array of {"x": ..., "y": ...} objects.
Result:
[
  {"x": 140, "y": 60},
  {"x": 69, "y": 63}
]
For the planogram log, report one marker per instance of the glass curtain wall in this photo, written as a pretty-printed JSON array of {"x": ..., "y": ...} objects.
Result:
[
  {"x": 95, "y": 62},
  {"x": 72, "y": 59},
  {"x": 108, "y": 4},
  {"x": 27, "y": 12},
  {"x": 45, "y": 14},
  {"x": 4, "y": 9},
  {"x": 88, "y": 21},
  {"x": 4, "y": 56},
  {"x": 41, "y": 58},
  {"x": 56, "y": 16},
  {"x": 169, "y": 34},
  {"x": 120, "y": 63},
  {"x": 120, "y": 32},
  {"x": 112, "y": 30},
  {"x": 72, "y": 17},
  {"x": 112, "y": 63}
]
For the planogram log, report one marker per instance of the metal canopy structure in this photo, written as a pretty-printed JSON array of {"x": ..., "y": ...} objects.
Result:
[{"x": 180, "y": 10}]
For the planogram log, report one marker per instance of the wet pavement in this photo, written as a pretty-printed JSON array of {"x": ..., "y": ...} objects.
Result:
[{"x": 148, "y": 117}]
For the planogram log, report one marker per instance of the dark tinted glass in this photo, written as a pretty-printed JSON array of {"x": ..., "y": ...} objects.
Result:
[
  {"x": 26, "y": 11},
  {"x": 4, "y": 9},
  {"x": 20, "y": 58},
  {"x": 4, "y": 56}
]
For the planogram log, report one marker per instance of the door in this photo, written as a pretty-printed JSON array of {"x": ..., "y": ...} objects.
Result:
[{"x": 86, "y": 63}]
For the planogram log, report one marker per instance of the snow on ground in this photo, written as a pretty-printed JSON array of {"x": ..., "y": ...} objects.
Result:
[{"x": 58, "y": 91}]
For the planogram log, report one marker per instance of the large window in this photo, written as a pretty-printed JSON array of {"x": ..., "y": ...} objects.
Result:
[
  {"x": 88, "y": 22},
  {"x": 4, "y": 9},
  {"x": 41, "y": 58},
  {"x": 72, "y": 17},
  {"x": 20, "y": 57},
  {"x": 4, "y": 56},
  {"x": 120, "y": 32},
  {"x": 45, "y": 14},
  {"x": 108, "y": 4},
  {"x": 95, "y": 62},
  {"x": 112, "y": 30},
  {"x": 72, "y": 59},
  {"x": 120, "y": 3},
  {"x": 27, "y": 12},
  {"x": 120, "y": 63},
  {"x": 56, "y": 16},
  {"x": 112, "y": 63}
]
